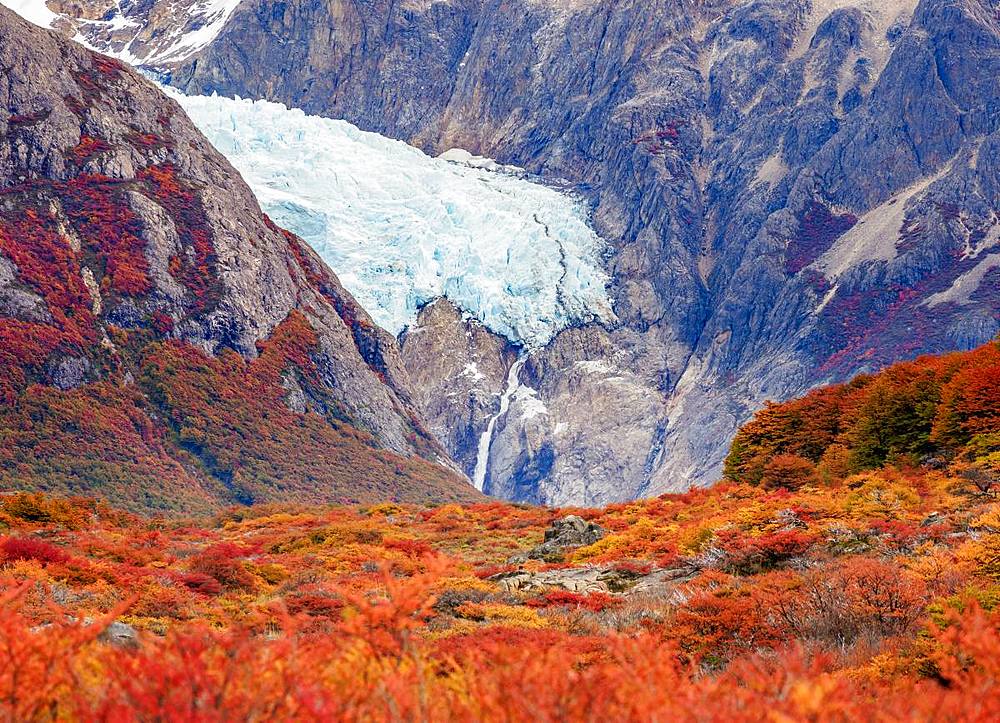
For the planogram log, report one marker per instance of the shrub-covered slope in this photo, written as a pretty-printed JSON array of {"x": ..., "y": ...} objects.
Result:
[
  {"x": 162, "y": 343},
  {"x": 823, "y": 595},
  {"x": 931, "y": 411}
]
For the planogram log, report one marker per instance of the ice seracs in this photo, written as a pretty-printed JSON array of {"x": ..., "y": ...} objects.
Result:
[{"x": 401, "y": 228}]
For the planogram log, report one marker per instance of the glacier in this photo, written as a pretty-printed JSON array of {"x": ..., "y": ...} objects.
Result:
[{"x": 401, "y": 228}]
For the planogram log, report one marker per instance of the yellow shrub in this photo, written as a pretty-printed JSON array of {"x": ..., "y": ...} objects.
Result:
[
  {"x": 515, "y": 616},
  {"x": 384, "y": 509},
  {"x": 694, "y": 539},
  {"x": 875, "y": 496}
]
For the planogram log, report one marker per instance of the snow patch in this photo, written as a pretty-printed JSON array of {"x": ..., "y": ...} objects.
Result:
[
  {"x": 530, "y": 405},
  {"x": 34, "y": 11},
  {"x": 471, "y": 370},
  {"x": 401, "y": 228},
  {"x": 771, "y": 171},
  {"x": 965, "y": 285}
]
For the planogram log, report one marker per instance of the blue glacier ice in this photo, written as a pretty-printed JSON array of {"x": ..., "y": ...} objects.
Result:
[{"x": 401, "y": 228}]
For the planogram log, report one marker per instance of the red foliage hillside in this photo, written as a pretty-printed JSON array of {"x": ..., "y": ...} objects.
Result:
[
  {"x": 932, "y": 410},
  {"x": 813, "y": 593},
  {"x": 161, "y": 425}
]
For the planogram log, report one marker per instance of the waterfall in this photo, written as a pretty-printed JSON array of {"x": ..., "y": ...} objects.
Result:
[{"x": 486, "y": 439}]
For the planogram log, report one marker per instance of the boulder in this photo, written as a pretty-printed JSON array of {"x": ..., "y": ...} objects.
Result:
[{"x": 568, "y": 532}]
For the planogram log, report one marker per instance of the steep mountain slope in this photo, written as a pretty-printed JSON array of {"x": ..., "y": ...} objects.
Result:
[
  {"x": 161, "y": 341},
  {"x": 795, "y": 192}
]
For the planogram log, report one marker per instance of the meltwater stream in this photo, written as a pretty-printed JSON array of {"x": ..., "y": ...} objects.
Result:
[{"x": 486, "y": 439}]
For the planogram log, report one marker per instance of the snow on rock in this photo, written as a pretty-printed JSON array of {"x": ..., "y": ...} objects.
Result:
[
  {"x": 531, "y": 406},
  {"x": 183, "y": 27},
  {"x": 213, "y": 15},
  {"x": 965, "y": 285},
  {"x": 471, "y": 370},
  {"x": 401, "y": 228},
  {"x": 462, "y": 156},
  {"x": 34, "y": 11}
]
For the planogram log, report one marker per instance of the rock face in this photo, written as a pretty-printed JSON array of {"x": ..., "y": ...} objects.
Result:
[
  {"x": 457, "y": 369},
  {"x": 795, "y": 191},
  {"x": 160, "y": 339}
]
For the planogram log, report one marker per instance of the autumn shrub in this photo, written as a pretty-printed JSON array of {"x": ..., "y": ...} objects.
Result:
[
  {"x": 30, "y": 548},
  {"x": 747, "y": 555},
  {"x": 219, "y": 564},
  {"x": 594, "y": 602},
  {"x": 882, "y": 599},
  {"x": 409, "y": 547},
  {"x": 857, "y": 598},
  {"x": 714, "y": 626},
  {"x": 788, "y": 471},
  {"x": 200, "y": 582},
  {"x": 315, "y": 602}
]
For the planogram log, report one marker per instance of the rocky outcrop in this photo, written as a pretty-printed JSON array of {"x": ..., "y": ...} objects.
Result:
[
  {"x": 155, "y": 33},
  {"x": 794, "y": 191},
  {"x": 564, "y": 534},
  {"x": 138, "y": 274},
  {"x": 588, "y": 579}
]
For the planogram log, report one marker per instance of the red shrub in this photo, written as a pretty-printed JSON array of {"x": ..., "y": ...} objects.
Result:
[
  {"x": 201, "y": 583},
  {"x": 595, "y": 602},
  {"x": 747, "y": 555},
  {"x": 31, "y": 548},
  {"x": 490, "y": 570},
  {"x": 89, "y": 147},
  {"x": 632, "y": 568},
  {"x": 411, "y": 548},
  {"x": 316, "y": 604},
  {"x": 217, "y": 562}
]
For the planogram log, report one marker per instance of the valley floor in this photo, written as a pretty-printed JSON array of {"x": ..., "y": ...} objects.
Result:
[{"x": 869, "y": 598}]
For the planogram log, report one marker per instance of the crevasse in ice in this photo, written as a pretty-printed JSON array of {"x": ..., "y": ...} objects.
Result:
[{"x": 401, "y": 228}]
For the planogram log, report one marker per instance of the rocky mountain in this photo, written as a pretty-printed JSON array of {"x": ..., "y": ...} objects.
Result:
[
  {"x": 794, "y": 191},
  {"x": 161, "y": 340},
  {"x": 155, "y": 33}
]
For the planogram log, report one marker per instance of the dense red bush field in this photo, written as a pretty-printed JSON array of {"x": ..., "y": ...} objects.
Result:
[{"x": 862, "y": 587}]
